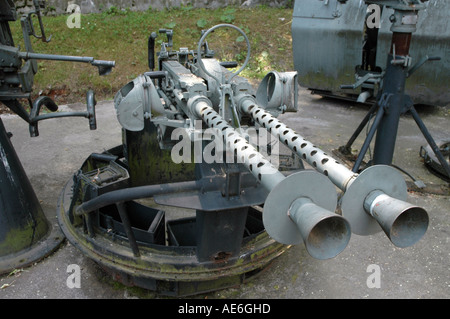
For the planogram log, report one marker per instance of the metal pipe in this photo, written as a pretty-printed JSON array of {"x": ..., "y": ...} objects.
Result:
[
  {"x": 55, "y": 57},
  {"x": 340, "y": 175},
  {"x": 368, "y": 139},
  {"x": 127, "y": 194},
  {"x": 404, "y": 228},
  {"x": 393, "y": 82},
  {"x": 139, "y": 192},
  {"x": 264, "y": 171},
  {"x": 127, "y": 226},
  {"x": 363, "y": 96},
  {"x": 56, "y": 115},
  {"x": 315, "y": 224},
  {"x": 355, "y": 198},
  {"x": 104, "y": 67}
]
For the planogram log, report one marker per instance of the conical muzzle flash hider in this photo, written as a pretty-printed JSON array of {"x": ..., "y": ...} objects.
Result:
[
  {"x": 324, "y": 233},
  {"x": 301, "y": 208},
  {"x": 402, "y": 222}
]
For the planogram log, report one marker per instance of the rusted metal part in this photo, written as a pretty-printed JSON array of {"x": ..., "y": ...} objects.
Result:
[{"x": 400, "y": 43}]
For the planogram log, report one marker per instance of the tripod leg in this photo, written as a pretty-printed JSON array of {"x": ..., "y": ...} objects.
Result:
[
  {"x": 430, "y": 140},
  {"x": 368, "y": 139},
  {"x": 17, "y": 108},
  {"x": 347, "y": 148}
]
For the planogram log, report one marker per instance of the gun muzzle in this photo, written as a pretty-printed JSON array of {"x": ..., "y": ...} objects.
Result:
[
  {"x": 402, "y": 222},
  {"x": 325, "y": 234},
  {"x": 104, "y": 67}
]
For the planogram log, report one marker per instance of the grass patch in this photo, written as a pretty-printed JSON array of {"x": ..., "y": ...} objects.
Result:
[{"x": 122, "y": 36}]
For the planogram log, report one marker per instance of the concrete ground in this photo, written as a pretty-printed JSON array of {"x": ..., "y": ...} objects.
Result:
[{"x": 420, "y": 271}]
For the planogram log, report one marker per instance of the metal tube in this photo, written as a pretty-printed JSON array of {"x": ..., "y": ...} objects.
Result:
[
  {"x": 56, "y": 115},
  {"x": 104, "y": 67},
  {"x": 340, "y": 175},
  {"x": 259, "y": 166},
  {"x": 127, "y": 226},
  {"x": 41, "y": 56},
  {"x": 127, "y": 194},
  {"x": 323, "y": 233},
  {"x": 139, "y": 192},
  {"x": 393, "y": 83},
  {"x": 362, "y": 98},
  {"x": 406, "y": 226}
]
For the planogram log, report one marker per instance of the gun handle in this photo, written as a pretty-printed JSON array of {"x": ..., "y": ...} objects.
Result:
[
  {"x": 151, "y": 51},
  {"x": 37, "y": 105}
]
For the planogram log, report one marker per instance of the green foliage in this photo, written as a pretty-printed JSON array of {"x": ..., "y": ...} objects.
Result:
[
  {"x": 228, "y": 15},
  {"x": 113, "y": 10},
  {"x": 201, "y": 23},
  {"x": 170, "y": 25}
]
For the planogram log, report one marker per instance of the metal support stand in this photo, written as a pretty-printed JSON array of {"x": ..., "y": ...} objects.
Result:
[
  {"x": 393, "y": 102},
  {"x": 430, "y": 141}
]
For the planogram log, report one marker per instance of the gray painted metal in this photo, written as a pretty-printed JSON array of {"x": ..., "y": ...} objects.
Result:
[
  {"x": 327, "y": 39},
  {"x": 402, "y": 233},
  {"x": 321, "y": 242},
  {"x": 356, "y": 187},
  {"x": 308, "y": 199}
]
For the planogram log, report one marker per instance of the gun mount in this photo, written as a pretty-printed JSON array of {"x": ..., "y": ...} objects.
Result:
[
  {"x": 17, "y": 70},
  {"x": 191, "y": 203},
  {"x": 26, "y": 234}
]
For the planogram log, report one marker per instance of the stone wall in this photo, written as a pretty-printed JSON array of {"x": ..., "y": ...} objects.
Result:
[{"x": 56, "y": 7}]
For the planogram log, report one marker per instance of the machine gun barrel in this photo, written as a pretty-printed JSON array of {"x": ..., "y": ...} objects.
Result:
[
  {"x": 402, "y": 222},
  {"x": 299, "y": 207},
  {"x": 104, "y": 67},
  {"x": 340, "y": 175}
]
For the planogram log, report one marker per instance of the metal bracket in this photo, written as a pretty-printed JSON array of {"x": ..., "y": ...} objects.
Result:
[
  {"x": 52, "y": 106},
  {"x": 420, "y": 63},
  {"x": 37, "y": 5}
]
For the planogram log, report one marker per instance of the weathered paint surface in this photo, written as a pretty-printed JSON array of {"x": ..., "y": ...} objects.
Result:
[{"x": 327, "y": 40}]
